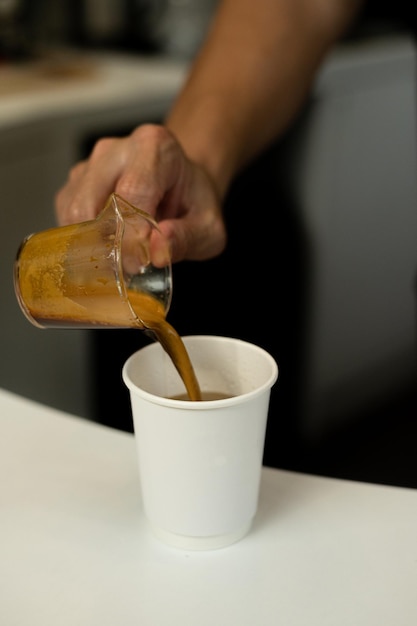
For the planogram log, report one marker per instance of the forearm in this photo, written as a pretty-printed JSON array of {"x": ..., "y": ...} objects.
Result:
[{"x": 251, "y": 77}]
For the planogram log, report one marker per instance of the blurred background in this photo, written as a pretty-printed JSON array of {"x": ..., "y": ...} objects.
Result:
[{"x": 337, "y": 273}]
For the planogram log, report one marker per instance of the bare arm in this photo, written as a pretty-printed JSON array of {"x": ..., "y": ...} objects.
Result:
[
  {"x": 251, "y": 77},
  {"x": 244, "y": 88}
]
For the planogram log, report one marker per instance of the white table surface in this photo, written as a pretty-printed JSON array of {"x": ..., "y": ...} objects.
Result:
[{"x": 75, "y": 549}]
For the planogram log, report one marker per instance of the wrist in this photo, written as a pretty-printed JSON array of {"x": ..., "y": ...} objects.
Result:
[{"x": 209, "y": 141}]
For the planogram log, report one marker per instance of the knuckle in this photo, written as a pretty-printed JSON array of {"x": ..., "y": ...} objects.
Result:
[
  {"x": 153, "y": 134},
  {"x": 103, "y": 146},
  {"x": 76, "y": 170}
]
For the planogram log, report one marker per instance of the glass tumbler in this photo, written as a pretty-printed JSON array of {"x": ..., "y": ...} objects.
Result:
[{"x": 110, "y": 272}]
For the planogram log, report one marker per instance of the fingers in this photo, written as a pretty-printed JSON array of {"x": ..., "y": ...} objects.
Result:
[
  {"x": 150, "y": 170},
  {"x": 90, "y": 182},
  {"x": 142, "y": 168},
  {"x": 199, "y": 233},
  {"x": 193, "y": 243}
]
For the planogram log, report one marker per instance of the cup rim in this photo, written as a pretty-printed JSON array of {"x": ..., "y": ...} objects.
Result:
[{"x": 202, "y": 404}]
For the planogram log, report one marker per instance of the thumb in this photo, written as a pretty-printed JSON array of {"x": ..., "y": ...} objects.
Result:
[{"x": 192, "y": 239}]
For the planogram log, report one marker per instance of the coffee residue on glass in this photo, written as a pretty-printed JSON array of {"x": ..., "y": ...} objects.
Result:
[{"x": 54, "y": 297}]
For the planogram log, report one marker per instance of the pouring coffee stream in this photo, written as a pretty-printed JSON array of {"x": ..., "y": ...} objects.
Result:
[
  {"x": 111, "y": 272},
  {"x": 152, "y": 316}
]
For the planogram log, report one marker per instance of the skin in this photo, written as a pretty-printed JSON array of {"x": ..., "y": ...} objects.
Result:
[{"x": 224, "y": 116}]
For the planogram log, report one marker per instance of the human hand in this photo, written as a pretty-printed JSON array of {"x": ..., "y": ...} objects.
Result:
[{"x": 150, "y": 170}]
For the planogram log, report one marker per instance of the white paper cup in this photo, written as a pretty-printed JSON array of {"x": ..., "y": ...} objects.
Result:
[{"x": 200, "y": 462}]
